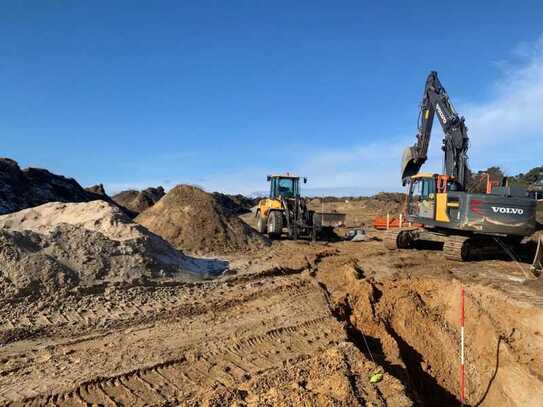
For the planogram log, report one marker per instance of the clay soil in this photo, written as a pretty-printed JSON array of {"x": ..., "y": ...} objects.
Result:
[{"x": 290, "y": 324}]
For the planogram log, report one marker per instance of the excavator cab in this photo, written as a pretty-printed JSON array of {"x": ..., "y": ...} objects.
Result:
[
  {"x": 422, "y": 197},
  {"x": 428, "y": 197}
]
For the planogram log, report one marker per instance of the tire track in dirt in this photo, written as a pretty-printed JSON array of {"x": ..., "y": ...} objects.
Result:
[
  {"x": 174, "y": 380},
  {"x": 259, "y": 324},
  {"x": 153, "y": 305}
]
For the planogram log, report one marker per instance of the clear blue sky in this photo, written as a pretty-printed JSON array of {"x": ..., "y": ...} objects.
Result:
[{"x": 135, "y": 93}]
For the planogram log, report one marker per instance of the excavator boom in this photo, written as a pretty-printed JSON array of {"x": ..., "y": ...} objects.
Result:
[{"x": 455, "y": 142}]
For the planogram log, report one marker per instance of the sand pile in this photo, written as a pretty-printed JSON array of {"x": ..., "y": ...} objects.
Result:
[
  {"x": 60, "y": 246},
  {"x": 193, "y": 220},
  {"x": 138, "y": 201}
]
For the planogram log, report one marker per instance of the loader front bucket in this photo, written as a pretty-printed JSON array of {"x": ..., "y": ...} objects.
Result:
[{"x": 410, "y": 164}]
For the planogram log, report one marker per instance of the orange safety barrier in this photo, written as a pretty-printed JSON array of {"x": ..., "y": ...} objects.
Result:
[{"x": 380, "y": 223}]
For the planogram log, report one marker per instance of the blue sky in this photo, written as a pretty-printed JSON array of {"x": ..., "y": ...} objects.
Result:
[{"x": 134, "y": 94}]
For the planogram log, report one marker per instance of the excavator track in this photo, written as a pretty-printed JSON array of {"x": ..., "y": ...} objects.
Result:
[
  {"x": 456, "y": 248},
  {"x": 390, "y": 239},
  {"x": 398, "y": 239}
]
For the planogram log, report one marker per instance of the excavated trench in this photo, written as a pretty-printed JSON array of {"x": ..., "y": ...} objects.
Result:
[{"x": 411, "y": 329}]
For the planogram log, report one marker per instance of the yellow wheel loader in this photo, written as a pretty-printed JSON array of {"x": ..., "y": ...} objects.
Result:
[{"x": 286, "y": 211}]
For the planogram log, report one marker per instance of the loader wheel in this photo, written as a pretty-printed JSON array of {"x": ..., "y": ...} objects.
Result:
[
  {"x": 261, "y": 223},
  {"x": 275, "y": 224}
]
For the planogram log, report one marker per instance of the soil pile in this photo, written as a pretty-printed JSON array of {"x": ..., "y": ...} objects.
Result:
[
  {"x": 20, "y": 189},
  {"x": 385, "y": 202},
  {"x": 193, "y": 220},
  {"x": 97, "y": 189},
  {"x": 138, "y": 201},
  {"x": 63, "y": 245},
  {"x": 237, "y": 204}
]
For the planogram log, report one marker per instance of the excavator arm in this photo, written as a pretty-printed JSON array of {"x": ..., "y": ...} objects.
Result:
[{"x": 455, "y": 142}]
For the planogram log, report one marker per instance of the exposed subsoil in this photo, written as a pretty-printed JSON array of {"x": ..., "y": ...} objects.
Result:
[{"x": 292, "y": 324}]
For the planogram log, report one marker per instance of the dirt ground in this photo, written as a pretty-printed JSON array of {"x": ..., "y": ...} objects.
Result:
[{"x": 291, "y": 324}]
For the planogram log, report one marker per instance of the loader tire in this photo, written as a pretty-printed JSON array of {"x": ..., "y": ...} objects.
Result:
[
  {"x": 275, "y": 224},
  {"x": 261, "y": 223}
]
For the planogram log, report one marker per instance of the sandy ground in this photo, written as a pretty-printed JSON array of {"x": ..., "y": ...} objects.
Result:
[{"x": 290, "y": 324}]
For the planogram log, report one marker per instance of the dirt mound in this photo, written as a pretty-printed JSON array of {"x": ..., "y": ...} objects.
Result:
[
  {"x": 97, "y": 189},
  {"x": 20, "y": 189},
  {"x": 63, "y": 245},
  {"x": 236, "y": 204},
  {"x": 191, "y": 219},
  {"x": 138, "y": 201}
]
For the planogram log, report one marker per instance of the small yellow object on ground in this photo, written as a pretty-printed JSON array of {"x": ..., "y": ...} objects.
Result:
[{"x": 376, "y": 377}]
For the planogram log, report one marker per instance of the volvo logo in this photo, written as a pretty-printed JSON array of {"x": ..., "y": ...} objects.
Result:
[
  {"x": 441, "y": 114},
  {"x": 512, "y": 211}
]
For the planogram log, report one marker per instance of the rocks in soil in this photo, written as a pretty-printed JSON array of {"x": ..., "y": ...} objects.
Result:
[
  {"x": 138, "y": 201},
  {"x": 59, "y": 246},
  {"x": 194, "y": 220}
]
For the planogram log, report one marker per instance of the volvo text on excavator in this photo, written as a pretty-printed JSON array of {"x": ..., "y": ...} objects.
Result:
[{"x": 468, "y": 224}]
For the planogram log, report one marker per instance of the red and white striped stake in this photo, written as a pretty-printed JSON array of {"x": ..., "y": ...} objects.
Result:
[{"x": 462, "y": 346}]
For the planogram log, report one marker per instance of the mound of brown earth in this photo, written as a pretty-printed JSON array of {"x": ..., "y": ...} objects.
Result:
[
  {"x": 138, "y": 201},
  {"x": 97, "y": 189},
  {"x": 193, "y": 220},
  {"x": 63, "y": 245},
  {"x": 237, "y": 204},
  {"x": 20, "y": 189}
]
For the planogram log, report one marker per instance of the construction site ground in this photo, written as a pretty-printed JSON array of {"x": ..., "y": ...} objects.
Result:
[
  {"x": 297, "y": 324},
  {"x": 292, "y": 324}
]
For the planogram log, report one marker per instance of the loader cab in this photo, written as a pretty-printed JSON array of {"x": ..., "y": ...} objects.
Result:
[{"x": 285, "y": 186}]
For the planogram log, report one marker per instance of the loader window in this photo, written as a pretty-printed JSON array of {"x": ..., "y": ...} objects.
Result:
[{"x": 286, "y": 187}]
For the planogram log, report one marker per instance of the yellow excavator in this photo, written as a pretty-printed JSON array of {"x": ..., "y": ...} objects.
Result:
[
  {"x": 285, "y": 210},
  {"x": 466, "y": 223}
]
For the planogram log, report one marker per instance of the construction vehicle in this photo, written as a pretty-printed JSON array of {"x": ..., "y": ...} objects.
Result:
[
  {"x": 287, "y": 209},
  {"x": 468, "y": 224}
]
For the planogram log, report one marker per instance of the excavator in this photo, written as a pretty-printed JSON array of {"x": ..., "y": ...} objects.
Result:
[{"x": 468, "y": 224}]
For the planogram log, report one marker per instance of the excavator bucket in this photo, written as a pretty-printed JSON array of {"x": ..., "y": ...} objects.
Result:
[{"x": 410, "y": 165}]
